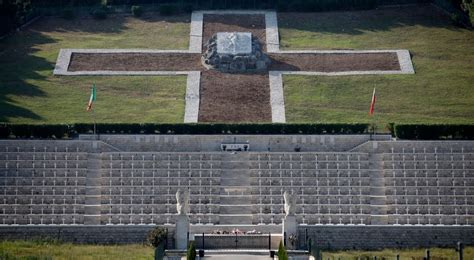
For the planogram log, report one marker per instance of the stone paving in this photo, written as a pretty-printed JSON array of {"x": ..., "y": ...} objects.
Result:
[{"x": 194, "y": 77}]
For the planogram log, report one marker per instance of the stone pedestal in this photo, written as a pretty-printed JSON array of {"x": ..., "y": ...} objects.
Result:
[
  {"x": 182, "y": 230},
  {"x": 290, "y": 227}
]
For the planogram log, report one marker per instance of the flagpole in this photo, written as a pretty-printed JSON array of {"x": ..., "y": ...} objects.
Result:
[{"x": 93, "y": 118}]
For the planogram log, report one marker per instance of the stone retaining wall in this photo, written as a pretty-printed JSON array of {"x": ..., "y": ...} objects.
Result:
[
  {"x": 378, "y": 237},
  {"x": 83, "y": 234}
]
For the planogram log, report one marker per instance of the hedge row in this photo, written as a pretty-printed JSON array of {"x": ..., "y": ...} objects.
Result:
[
  {"x": 433, "y": 132},
  {"x": 66, "y": 131}
]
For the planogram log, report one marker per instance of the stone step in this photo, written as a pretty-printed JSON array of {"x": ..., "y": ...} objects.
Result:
[
  {"x": 378, "y": 210},
  {"x": 378, "y": 200},
  {"x": 236, "y": 219},
  {"x": 235, "y": 190},
  {"x": 239, "y": 181},
  {"x": 240, "y": 200},
  {"x": 235, "y": 209},
  {"x": 379, "y": 219},
  {"x": 234, "y": 173},
  {"x": 235, "y": 165}
]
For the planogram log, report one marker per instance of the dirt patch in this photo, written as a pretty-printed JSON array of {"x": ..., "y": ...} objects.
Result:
[
  {"x": 214, "y": 23},
  {"x": 135, "y": 62},
  {"x": 234, "y": 97},
  {"x": 330, "y": 62}
]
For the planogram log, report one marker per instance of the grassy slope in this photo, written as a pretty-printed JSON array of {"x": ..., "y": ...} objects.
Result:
[
  {"x": 58, "y": 251},
  {"x": 29, "y": 93},
  {"x": 440, "y": 91}
]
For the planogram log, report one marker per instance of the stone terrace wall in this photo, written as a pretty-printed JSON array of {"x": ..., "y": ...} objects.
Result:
[
  {"x": 83, "y": 234},
  {"x": 197, "y": 143},
  {"x": 378, "y": 237}
]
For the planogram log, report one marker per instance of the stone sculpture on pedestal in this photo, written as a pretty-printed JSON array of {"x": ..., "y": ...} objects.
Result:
[
  {"x": 290, "y": 227},
  {"x": 182, "y": 220}
]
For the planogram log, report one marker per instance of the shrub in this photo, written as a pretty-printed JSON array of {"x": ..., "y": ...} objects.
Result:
[
  {"x": 187, "y": 8},
  {"x": 282, "y": 253},
  {"x": 456, "y": 18},
  {"x": 60, "y": 131},
  {"x": 156, "y": 236},
  {"x": 137, "y": 10},
  {"x": 67, "y": 14},
  {"x": 167, "y": 9},
  {"x": 99, "y": 13},
  {"x": 434, "y": 131},
  {"x": 191, "y": 254}
]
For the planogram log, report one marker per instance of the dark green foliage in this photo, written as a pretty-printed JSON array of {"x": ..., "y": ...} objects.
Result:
[
  {"x": 187, "y": 8},
  {"x": 168, "y": 9},
  {"x": 99, "y": 13},
  {"x": 67, "y": 14},
  {"x": 137, "y": 10},
  {"x": 459, "y": 11},
  {"x": 324, "y": 5},
  {"x": 14, "y": 13},
  {"x": 59, "y": 131},
  {"x": 156, "y": 236},
  {"x": 34, "y": 131},
  {"x": 191, "y": 254},
  {"x": 282, "y": 253},
  {"x": 434, "y": 132}
]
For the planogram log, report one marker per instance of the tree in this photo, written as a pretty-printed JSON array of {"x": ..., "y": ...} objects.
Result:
[{"x": 282, "y": 253}]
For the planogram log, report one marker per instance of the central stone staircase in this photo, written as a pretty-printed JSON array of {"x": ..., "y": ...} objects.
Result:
[{"x": 236, "y": 200}]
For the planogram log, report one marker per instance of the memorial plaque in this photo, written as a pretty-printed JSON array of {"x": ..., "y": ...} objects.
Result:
[{"x": 234, "y": 43}]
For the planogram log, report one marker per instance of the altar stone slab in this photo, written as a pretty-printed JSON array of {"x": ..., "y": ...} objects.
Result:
[{"x": 234, "y": 43}]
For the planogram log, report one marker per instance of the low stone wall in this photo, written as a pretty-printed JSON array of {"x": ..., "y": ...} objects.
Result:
[
  {"x": 378, "y": 237},
  {"x": 83, "y": 234}
]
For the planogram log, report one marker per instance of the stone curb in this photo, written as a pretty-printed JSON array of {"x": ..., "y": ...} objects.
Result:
[
  {"x": 277, "y": 100},
  {"x": 191, "y": 111}
]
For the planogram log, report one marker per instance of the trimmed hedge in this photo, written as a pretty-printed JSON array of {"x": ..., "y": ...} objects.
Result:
[
  {"x": 65, "y": 131},
  {"x": 433, "y": 132}
]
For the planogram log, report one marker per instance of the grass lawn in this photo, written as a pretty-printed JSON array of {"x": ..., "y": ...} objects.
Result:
[
  {"x": 441, "y": 91},
  {"x": 29, "y": 93},
  {"x": 16, "y": 250},
  {"x": 54, "y": 250},
  {"x": 405, "y": 254}
]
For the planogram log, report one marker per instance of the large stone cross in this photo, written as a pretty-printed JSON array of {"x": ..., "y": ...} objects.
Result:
[{"x": 213, "y": 96}]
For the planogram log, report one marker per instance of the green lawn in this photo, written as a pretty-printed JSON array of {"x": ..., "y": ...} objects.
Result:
[
  {"x": 441, "y": 91},
  {"x": 405, "y": 254},
  {"x": 16, "y": 250},
  {"x": 29, "y": 93}
]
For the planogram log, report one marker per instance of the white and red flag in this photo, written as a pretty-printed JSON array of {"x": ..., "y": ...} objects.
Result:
[
  {"x": 91, "y": 99},
  {"x": 372, "y": 104}
]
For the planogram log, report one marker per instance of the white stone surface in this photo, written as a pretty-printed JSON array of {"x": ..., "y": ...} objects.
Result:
[
  {"x": 181, "y": 233},
  {"x": 277, "y": 100},
  {"x": 234, "y": 43},
  {"x": 271, "y": 31},
  {"x": 195, "y": 40},
  {"x": 191, "y": 111},
  {"x": 290, "y": 227}
]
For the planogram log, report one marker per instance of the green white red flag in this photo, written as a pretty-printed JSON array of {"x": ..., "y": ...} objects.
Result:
[
  {"x": 91, "y": 99},
  {"x": 372, "y": 104}
]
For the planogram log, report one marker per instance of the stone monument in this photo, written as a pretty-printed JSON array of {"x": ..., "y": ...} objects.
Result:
[
  {"x": 234, "y": 52},
  {"x": 290, "y": 227},
  {"x": 182, "y": 220}
]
